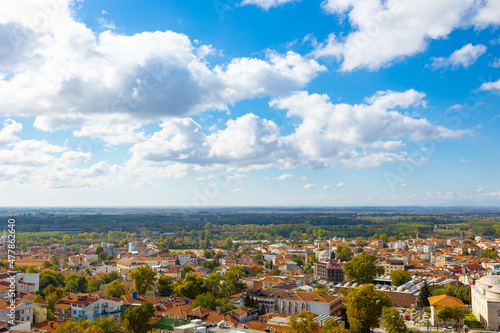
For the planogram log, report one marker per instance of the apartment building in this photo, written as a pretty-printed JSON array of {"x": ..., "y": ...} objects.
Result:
[
  {"x": 82, "y": 306},
  {"x": 331, "y": 270}
]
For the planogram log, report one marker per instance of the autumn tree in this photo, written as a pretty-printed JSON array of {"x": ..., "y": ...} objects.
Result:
[
  {"x": 362, "y": 268},
  {"x": 333, "y": 327},
  {"x": 136, "y": 318},
  {"x": 302, "y": 322},
  {"x": 343, "y": 253},
  {"x": 364, "y": 307},
  {"x": 393, "y": 321},
  {"x": 144, "y": 279}
]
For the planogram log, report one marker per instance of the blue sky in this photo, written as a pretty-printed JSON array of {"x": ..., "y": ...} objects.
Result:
[{"x": 249, "y": 102}]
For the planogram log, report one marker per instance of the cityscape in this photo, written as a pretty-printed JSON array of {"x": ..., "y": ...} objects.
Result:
[{"x": 245, "y": 166}]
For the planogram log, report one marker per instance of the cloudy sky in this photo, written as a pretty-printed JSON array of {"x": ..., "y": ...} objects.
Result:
[{"x": 249, "y": 102}]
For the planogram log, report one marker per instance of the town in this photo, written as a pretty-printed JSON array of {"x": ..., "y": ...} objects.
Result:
[{"x": 119, "y": 281}]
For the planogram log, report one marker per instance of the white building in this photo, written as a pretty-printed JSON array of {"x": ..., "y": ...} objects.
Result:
[
  {"x": 429, "y": 248},
  {"x": 185, "y": 258},
  {"x": 318, "y": 304},
  {"x": 85, "y": 307},
  {"x": 23, "y": 310},
  {"x": 485, "y": 296}
]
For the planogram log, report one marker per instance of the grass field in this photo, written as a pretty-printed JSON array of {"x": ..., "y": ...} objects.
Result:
[
  {"x": 180, "y": 251},
  {"x": 169, "y": 324},
  {"x": 471, "y": 321}
]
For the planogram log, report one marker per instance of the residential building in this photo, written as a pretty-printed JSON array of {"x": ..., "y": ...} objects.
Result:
[
  {"x": 331, "y": 270},
  {"x": 86, "y": 307}
]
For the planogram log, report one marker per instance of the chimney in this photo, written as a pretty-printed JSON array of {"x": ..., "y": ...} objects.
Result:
[{"x": 218, "y": 310}]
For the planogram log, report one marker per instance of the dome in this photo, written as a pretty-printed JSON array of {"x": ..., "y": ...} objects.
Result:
[
  {"x": 489, "y": 280},
  {"x": 495, "y": 289}
]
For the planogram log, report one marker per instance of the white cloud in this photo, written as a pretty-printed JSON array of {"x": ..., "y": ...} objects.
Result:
[
  {"x": 359, "y": 135},
  {"x": 404, "y": 185},
  {"x": 488, "y": 14},
  {"x": 41, "y": 165},
  {"x": 327, "y": 134},
  {"x": 238, "y": 190},
  {"x": 463, "y": 160},
  {"x": 385, "y": 31},
  {"x": 309, "y": 186},
  {"x": 74, "y": 75},
  {"x": 105, "y": 24},
  {"x": 489, "y": 86},
  {"x": 326, "y": 187},
  {"x": 304, "y": 178},
  {"x": 495, "y": 63},
  {"x": 479, "y": 190},
  {"x": 10, "y": 133},
  {"x": 340, "y": 185},
  {"x": 284, "y": 176},
  {"x": 266, "y": 4},
  {"x": 465, "y": 56}
]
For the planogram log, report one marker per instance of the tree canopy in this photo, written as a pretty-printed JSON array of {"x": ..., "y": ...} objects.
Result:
[
  {"x": 144, "y": 279},
  {"x": 364, "y": 307},
  {"x": 362, "y": 268},
  {"x": 399, "y": 277}
]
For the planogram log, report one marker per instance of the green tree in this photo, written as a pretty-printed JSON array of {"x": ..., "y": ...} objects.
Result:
[
  {"x": 190, "y": 287},
  {"x": 98, "y": 250},
  {"x": 115, "y": 289},
  {"x": 489, "y": 253},
  {"x": 207, "y": 240},
  {"x": 165, "y": 286},
  {"x": 93, "y": 285},
  {"x": 207, "y": 300},
  {"x": 228, "y": 243},
  {"x": 186, "y": 269},
  {"x": 423, "y": 296},
  {"x": 109, "y": 325},
  {"x": 399, "y": 277},
  {"x": 144, "y": 279},
  {"x": 75, "y": 283},
  {"x": 393, "y": 321},
  {"x": 108, "y": 277},
  {"x": 447, "y": 312},
  {"x": 344, "y": 253},
  {"x": 364, "y": 307},
  {"x": 137, "y": 318},
  {"x": 362, "y": 268}
]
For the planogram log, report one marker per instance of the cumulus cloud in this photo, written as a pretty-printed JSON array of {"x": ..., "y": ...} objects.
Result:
[
  {"x": 266, "y": 4},
  {"x": 385, "y": 31},
  {"x": 358, "y": 135},
  {"x": 284, "y": 176},
  {"x": 326, "y": 134},
  {"x": 74, "y": 75},
  {"x": 491, "y": 86},
  {"x": 463, "y": 57},
  {"x": 10, "y": 133},
  {"x": 309, "y": 186},
  {"x": 340, "y": 185},
  {"x": 326, "y": 187}
]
